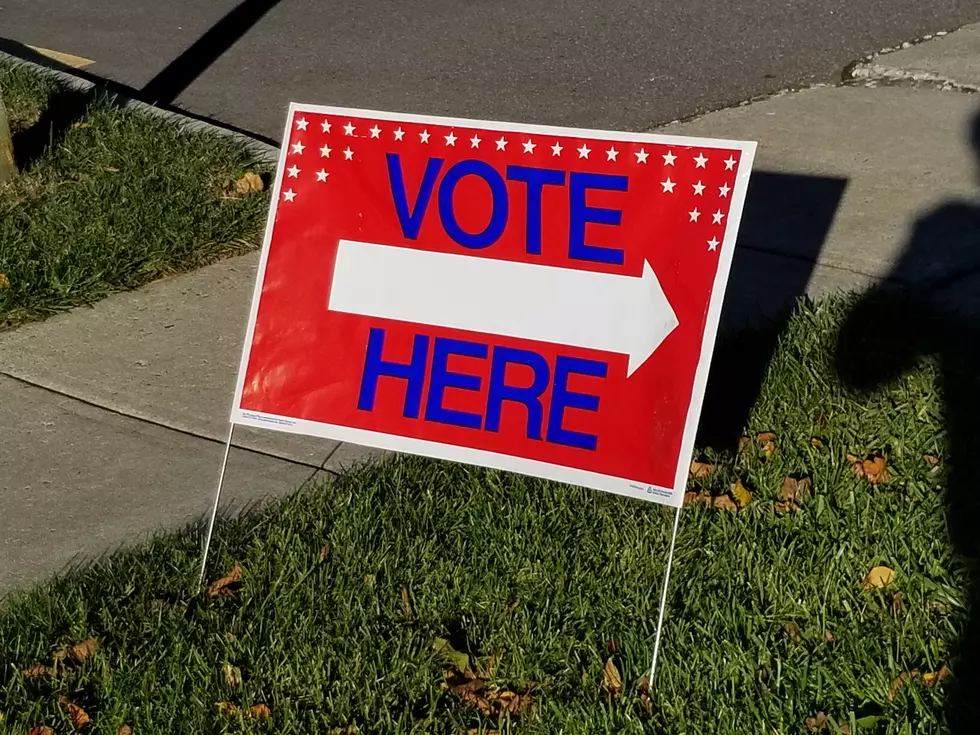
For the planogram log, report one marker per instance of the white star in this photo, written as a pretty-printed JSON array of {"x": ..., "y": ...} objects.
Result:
[
  {"x": 700, "y": 161},
  {"x": 668, "y": 186},
  {"x": 325, "y": 126},
  {"x": 669, "y": 158},
  {"x": 321, "y": 175},
  {"x": 325, "y": 152},
  {"x": 694, "y": 215},
  {"x": 349, "y": 128},
  {"x": 293, "y": 171},
  {"x": 298, "y": 147},
  {"x": 501, "y": 144},
  {"x": 289, "y": 195},
  {"x": 375, "y": 131},
  {"x": 611, "y": 154},
  {"x": 723, "y": 190},
  {"x": 302, "y": 123},
  {"x": 529, "y": 146},
  {"x": 348, "y": 154},
  {"x": 475, "y": 141},
  {"x": 399, "y": 134},
  {"x": 556, "y": 149},
  {"x": 641, "y": 156},
  {"x": 730, "y": 163},
  {"x": 698, "y": 189},
  {"x": 718, "y": 217},
  {"x": 424, "y": 136},
  {"x": 451, "y": 139},
  {"x": 584, "y": 151},
  {"x": 713, "y": 243}
]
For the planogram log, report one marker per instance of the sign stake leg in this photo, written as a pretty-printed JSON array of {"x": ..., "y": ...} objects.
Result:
[
  {"x": 663, "y": 598},
  {"x": 214, "y": 508}
]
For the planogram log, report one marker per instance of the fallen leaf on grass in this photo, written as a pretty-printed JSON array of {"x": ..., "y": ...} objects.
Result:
[
  {"x": 701, "y": 470},
  {"x": 249, "y": 183},
  {"x": 227, "y": 584},
  {"x": 259, "y": 711},
  {"x": 741, "y": 494},
  {"x": 874, "y": 469},
  {"x": 723, "y": 502},
  {"x": 233, "y": 675},
  {"x": 79, "y": 717},
  {"x": 816, "y": 442},
  {"x": 899, "y": 682},
  {"x": 817, "y": 722},
  {"x": 796, "y": 490},
  {"x": 124, "y": 730},
  {"x": 473, "y": 691},
  {"x": 38, "y": 671},
  {"x": 793, "y": 632},
  {"x": 450, "y": 657},
  {"x": 406, "y": 603},
  {"x": 612, "y": 646},
  {"x": 878, "y": 578},
  {"x": 612, "y": 682},
  {"x": 829, "y": 638},
  {"x": 81, "y": 651},
  {"x": 40, "y": 730},
  {"x": 226, "y": 708},
  {"x": 845, "y": 729},
  {"x": 898, "y": 608},
  {"x": 933, "y": 677},
  {"x": 697, "y": 499},
  {"x": 743, "y": 440},
  {"x": 4, "y": 281},
  {"x": 931, "y": 460},
  {"x": 645, "y": 702},
  {"x": 324, "y": 552}
]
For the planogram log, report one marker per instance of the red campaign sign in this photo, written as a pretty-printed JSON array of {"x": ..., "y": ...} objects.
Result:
[{"x": 537, "y": 299}]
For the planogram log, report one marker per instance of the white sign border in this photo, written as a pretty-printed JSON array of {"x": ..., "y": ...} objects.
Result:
[{"x": 673, "y": 497}]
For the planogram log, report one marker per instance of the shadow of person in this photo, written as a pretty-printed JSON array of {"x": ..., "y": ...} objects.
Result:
[{"x": 930, "y": 310}]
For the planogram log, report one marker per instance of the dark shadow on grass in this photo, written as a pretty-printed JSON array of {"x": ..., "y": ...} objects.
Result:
[
  {"x": 68, "y": 106},
  {"x": 784, "y": 225},
  {"x": 931, "y": 309}
]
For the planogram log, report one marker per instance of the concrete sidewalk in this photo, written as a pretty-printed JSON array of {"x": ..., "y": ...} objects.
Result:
[{"x": 114, "y": 416}]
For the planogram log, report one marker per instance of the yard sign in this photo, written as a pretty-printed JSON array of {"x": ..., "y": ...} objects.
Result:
[{"x": 535, "y": 299}]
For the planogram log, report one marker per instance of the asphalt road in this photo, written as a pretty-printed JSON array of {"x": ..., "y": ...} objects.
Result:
[{"x": 628, "y": 64}]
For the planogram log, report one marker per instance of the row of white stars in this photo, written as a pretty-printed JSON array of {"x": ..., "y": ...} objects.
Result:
[
  {"x": 699, "y": 188},
  {"x": 700, "y": 161},
  {"x": 716, "y": 218}
]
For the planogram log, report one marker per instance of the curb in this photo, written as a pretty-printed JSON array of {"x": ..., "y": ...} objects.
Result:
[{"x": 265, "y": 152}]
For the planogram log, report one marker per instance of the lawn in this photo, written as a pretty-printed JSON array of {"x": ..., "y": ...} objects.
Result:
[
  {"x": 425, "y": 597},
  {"x": 110, "y": 199}
]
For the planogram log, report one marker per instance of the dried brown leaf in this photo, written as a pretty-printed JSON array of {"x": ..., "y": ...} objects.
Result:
[
  {"x": 829, "y": 638},
  {"x": 786, "y": 507},
  {"x": 40, "y": 730},
  {"x": 793, "y": 632},
  {"x": 701, "y": 470},
  {"x": 249, "y": 183},
  {"x": 612, "y": 682},
  {"x": 79, "y": 717},
  {"x": 765, "y": 437},
  {"x": 931, "y": 460},
  {"x": 816, "y": 442},
  {"x": 612, "y": 646},
  {"x": 259, "y": 712},
  {"x": 874, "y": 469},
  {"x": 934, "y": 677},
  {"x": 226, "y": 708},
  {"x": 124, "y": 730},
  {"x": 845, "y": 729},
  {"x": 4, "y": 281},
  {"x": 743, "y": 440},
  {"x": 697, "y": 499},
  {"x": 723, "y": 502},
  {"x": 324, "y": 552},
  {"x": 81, "y": 651},
  {"x": 227, "y": 584},
  {"x": 796, "y": 490},
  {"x": 769, "y": 448},
  {"x": 741, "y": 494},
  {"x": 645, "y": 702},
  {"x": 512, "y": 703},
  {"x": 878, "y": 578},
  {"x": 899, "y": 682},
  {"x": 233, "y": 675},
  {"x": 406, "y": 603},
  {"x": 38, "y": 671},
  {"x": 898, "y": 607},
  {"x": 817, "y": 722}
]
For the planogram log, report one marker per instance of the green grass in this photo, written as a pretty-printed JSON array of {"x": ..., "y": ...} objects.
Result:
[
  {"x": 117, "y": 201},
  {"x": 542, "y": 577}
]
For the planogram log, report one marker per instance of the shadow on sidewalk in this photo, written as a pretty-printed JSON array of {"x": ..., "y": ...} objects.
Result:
[
  {"x": 784, "y": 225},
  {"x": 932, "y": 310},
  {"x": 68, "y": 106}
]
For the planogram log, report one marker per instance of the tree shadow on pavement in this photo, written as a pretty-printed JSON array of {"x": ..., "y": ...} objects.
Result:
[
  {"x": 784, "y": 225},
  {"x": 68, "y": 106},
  {"x": 929, "y": 309}
]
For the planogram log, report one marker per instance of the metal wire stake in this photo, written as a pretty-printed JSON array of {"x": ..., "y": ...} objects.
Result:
[
  {"x": 663, "y": 599},
  {"x": 214, "y": 508}
]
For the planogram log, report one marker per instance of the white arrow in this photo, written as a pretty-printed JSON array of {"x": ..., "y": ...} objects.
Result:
[{"x": 600, "y": 311}]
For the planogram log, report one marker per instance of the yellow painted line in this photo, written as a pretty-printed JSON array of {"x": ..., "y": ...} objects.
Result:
[{"x": 76, "y": 62}]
